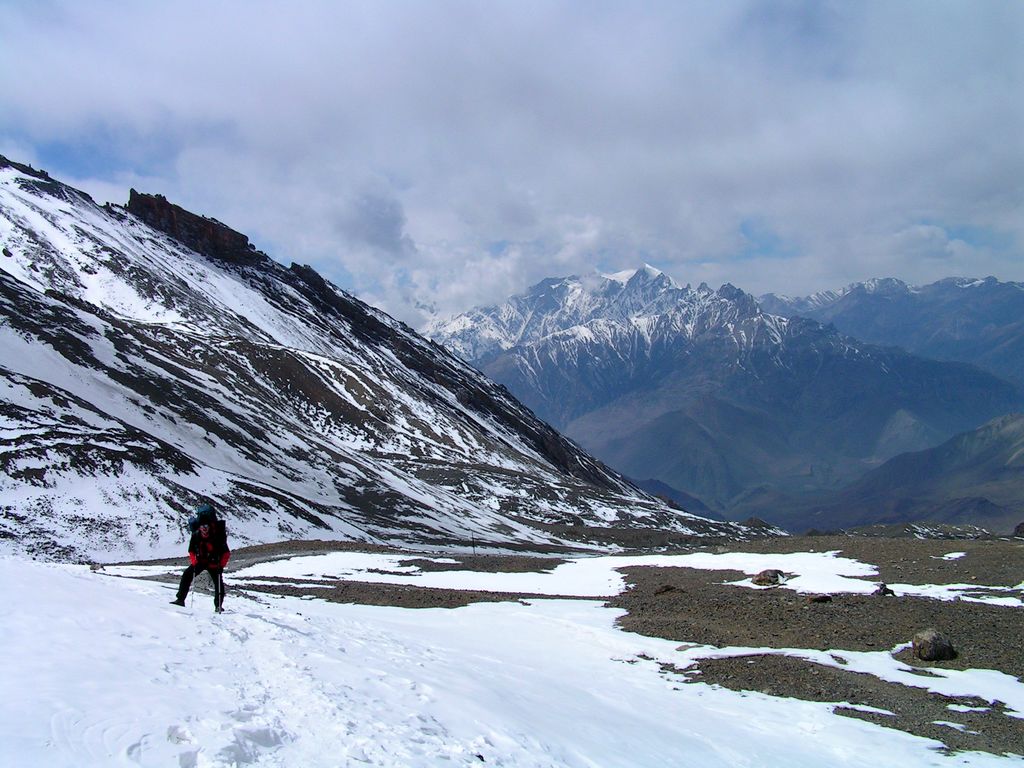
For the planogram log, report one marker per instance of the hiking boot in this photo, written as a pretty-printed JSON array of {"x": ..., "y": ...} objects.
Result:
[
  {"x": 218, "y": 609},
  {"x": 178, "y": 601}
]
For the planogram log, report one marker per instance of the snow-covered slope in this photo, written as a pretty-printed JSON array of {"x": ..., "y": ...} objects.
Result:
[{"x": 140, "y": 372}]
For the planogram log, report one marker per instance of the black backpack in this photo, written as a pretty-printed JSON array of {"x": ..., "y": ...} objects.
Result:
[{"x": 204, "y": 514}]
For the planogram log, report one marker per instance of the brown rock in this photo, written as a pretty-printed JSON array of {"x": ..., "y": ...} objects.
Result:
[{"x": 768, "y": 578}]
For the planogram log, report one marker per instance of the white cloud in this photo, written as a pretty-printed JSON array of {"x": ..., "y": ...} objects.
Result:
[{"x": 450, "y": 154}]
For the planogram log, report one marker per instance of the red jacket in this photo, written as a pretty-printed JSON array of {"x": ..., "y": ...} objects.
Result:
[{"x": 211, "y": 550}]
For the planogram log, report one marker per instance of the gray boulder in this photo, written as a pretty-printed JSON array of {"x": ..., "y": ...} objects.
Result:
[{"x": 931, "y": 645}]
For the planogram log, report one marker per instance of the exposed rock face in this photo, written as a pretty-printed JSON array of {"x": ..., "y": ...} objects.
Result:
[
  {"x": 1019, "y": 531},
  {"x": 931, "y": 645}
]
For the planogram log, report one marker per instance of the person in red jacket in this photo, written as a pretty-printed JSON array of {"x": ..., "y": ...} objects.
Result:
[{"x": 207, "y": 551}]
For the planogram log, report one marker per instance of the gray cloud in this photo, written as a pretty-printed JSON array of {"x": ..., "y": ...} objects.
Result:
[
  {"x": 377, "y": 221},
  {"x": 451, "y": 153}
]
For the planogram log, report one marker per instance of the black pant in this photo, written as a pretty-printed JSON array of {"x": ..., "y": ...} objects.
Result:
[{"x": 216, "y": 575}]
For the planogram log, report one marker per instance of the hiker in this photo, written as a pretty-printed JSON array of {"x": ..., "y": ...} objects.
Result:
[{"x": 208, "y": 551}]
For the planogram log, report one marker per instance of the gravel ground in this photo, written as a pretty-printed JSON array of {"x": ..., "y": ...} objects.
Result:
[{"x": 695, "y": 606}]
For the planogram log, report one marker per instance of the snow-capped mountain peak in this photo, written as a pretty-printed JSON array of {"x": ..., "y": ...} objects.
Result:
[
  {"x": 646, "y": 273},
  {"x": 598, "y": 302},
  {"x": 622, "y": 277},
  {"x": 881, "y": 285}
]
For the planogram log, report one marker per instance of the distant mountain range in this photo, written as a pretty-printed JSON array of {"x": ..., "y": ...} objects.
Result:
[
  {"x": 961, "y": 319},
  {"x": 710, "y": 394},
  {"x": 151, "y": 358}
]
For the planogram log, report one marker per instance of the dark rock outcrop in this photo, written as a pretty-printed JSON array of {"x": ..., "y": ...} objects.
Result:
[{"x": 201, "y": 234}]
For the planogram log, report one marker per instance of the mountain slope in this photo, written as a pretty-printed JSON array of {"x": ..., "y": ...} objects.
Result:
[
  {"x": 703, "y": 391},
  {"x": 961, "y": 319},
  {"x": 975, "y": 478},
  {"x": 143, "y": 371}
]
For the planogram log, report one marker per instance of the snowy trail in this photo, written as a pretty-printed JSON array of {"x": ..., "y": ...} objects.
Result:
[{"x": 101, "y": 671}]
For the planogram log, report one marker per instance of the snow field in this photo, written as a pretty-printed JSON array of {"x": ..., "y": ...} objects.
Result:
[{"x": 102, "y": 671}]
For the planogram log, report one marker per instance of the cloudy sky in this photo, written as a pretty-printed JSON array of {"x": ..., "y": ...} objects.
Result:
[{"x": 432, "y": 156}]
